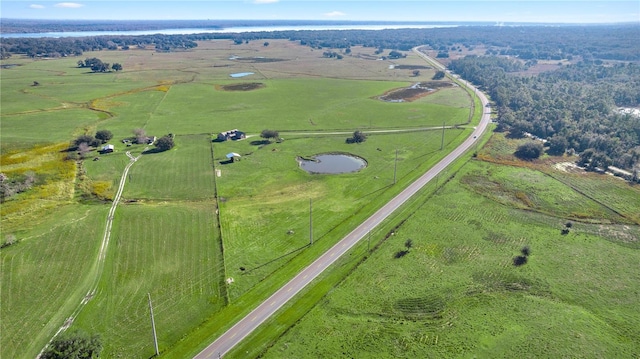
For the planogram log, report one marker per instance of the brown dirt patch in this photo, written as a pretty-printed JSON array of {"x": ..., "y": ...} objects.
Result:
[
  {"x": 411, "y": 67},
  {"x": 414, "y": 92},
  {"x": 257, "y": 60},
  {"x": 247, "y": 86}
]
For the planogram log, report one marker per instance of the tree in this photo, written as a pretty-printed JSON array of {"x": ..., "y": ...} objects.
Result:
[
  {"x": 408, "y": 244},
  {"x": 89, "y": 140},
  {"x": 557, "y": 145},
  {"x": 529, "y": 151},
  {"x": 101, "y": 67},
  {"x": 83, "y": 149},
  {"x": 74, "y": 345},
  {"x": 393, "y": 54},
  {"x": 104, "y": 135},
  {"x": 358, "y": 137},
  {"x": 116, "y": 67},
  {"x": 141, "y": 135},
  {"x": 439, "y": 75},
  {"x": 269, "y": 134},
  {"x": 266, "y": 43},
  {"x": 164, "y": 143}
]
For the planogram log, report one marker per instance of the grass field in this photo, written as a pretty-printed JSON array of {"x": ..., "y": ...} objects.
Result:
[
  {"x": 209, "y": 239},
  {"x": 166, "y": 238},
  {"x": 457, "y": 294},
  {"x": 43, "y": 277}
]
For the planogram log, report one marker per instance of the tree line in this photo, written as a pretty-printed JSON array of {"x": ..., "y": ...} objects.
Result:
[
  {"x": 96, "y": 65},
  {"x": 610, "y": 42},
  {"x": 574, "y": 107}
]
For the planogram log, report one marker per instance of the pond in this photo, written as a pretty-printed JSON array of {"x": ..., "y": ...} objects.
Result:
[
  {"x": 332, "y": 163},
  {"x": 241, "y": 74}
]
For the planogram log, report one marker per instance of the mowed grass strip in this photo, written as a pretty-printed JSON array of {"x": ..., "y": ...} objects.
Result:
[
  {"x": 183, "y": 173},
  {"x": 456, "y": 292},
  {"x": 170, "y": 250},
  {"x": 44, "y": 277}
]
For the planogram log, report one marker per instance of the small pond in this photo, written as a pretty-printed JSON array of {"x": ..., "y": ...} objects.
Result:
[
  {"x": 241, "y": 74},
  {"x": 332, "y": 163}
]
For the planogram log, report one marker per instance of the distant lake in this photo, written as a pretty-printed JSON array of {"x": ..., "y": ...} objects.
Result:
[
  {"x": 238, "y": 29},
  {"x": 241, "y": 74}
]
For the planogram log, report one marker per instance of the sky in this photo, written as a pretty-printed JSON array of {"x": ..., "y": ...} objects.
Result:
[{"x": 539, "y": 11}]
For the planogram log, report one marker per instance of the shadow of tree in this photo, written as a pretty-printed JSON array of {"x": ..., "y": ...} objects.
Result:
[
  {"x": 400, "y": 254},
  {"x": 152, "y": 151}
]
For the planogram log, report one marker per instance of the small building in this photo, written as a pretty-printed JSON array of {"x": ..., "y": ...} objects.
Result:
[
  {"x": 107, "y": 149},
  {"x": 233, "y": 157},
  {"x": 231, "y": 135}
]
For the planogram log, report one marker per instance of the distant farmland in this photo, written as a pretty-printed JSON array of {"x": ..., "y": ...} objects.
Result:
[{"x": 208, "y": 238}]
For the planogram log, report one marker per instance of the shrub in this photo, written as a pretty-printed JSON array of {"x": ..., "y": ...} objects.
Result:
[
  {"x": 73, "y": 345},
  {"x": 358, "y": 137},
  {"x": 529, "y": 151},
  {"x": 519, "y": 261}
]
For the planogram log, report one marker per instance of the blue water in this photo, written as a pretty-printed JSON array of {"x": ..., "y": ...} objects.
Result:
[
  {"x": 236, "y": 29},
  {"x": 241, "y": 74},
  {"x": 333, "y": 164}
]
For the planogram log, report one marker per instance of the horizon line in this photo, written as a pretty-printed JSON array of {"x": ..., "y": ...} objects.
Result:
[{"x": 341, "y": 21}]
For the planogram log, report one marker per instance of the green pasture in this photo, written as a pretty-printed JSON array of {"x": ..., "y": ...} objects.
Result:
[
  {"x": 533, "y": 190},
  {"x": 184, "y": 173},
  {"x": 165, "y": 240},
  {"x": 170, "y": 250},
  {"x": 296, "y": 105},
  {"x": 615, "y": 193},
  {"x": 45, "y": 276},
  {"x": 265, "y": 196},
  {"x": 52, "y": 126},
  {"x": 456, "y": 292}
]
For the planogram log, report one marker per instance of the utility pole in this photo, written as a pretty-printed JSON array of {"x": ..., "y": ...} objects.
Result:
[
  {"x": 153, "y": 325},
  {"x": 369, "y": 243},
  {"x": 395, "y": 167},
  {"x": 310, "y": 221}
]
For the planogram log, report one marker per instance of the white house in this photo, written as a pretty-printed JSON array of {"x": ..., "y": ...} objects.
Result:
[{"x": 107, "y": 149}]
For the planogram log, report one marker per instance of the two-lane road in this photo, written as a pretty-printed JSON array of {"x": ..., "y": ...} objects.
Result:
[{"x": 249, "y": 323}]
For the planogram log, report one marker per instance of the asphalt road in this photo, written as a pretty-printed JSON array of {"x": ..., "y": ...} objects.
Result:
[{"x": 249, "y": 323}]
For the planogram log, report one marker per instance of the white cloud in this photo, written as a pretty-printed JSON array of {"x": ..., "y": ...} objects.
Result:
[
  {"x": 265, "y": 1},
  {"x": 36, "y": 6},
  {"x": 68, "y": 5},
  {"x": 335, "y": 13}
]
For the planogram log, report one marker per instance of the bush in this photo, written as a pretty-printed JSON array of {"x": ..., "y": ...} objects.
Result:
[
  {"x": 519, "y": 261},
  {"x": 529, "y": 151},
  {"x": 358, "y": 137},
  {"x": 77, "y": 345},
  {"x": 269, "y": 134},
  {"x": 164, "y": 143},
  {"x": 557, "y": 145},
  {"x": 89, "y": 140}
]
